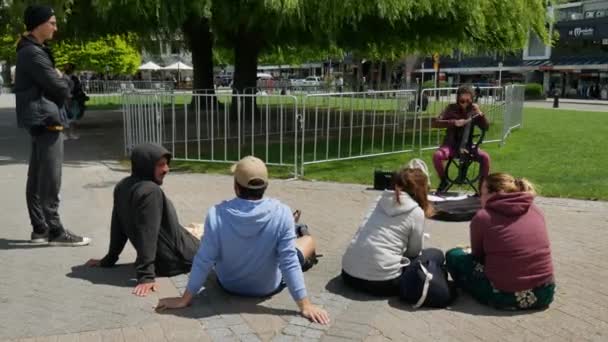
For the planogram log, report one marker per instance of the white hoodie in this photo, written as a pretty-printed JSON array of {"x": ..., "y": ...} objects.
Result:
[{"x": 389, "y": 234}]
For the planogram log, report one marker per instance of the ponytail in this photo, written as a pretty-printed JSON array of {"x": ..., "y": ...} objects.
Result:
[
  {"x": 525, "y": 186},
  {"x": 504, "y": 182},
  {"x": 415, "y": 183}
]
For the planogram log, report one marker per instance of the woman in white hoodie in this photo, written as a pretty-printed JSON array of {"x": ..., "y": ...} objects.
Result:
[{"x": 390, "y": 237}]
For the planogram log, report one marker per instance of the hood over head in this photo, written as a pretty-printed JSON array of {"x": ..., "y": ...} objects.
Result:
[{"x": 144, "y": 158}]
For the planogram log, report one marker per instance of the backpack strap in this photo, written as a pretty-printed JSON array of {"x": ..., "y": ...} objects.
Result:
[{"x": 425, "y": 288}]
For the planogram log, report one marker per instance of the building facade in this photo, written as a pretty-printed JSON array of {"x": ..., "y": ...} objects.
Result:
[{"x": 575, "y": 67}]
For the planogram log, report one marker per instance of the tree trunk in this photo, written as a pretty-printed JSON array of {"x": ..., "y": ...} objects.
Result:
[
  {"x": 358, "y": 74},
  {"x": 200, "y": 41},
  {"x": 388, "y": 74},
  {"x": 246, "y": 51}
]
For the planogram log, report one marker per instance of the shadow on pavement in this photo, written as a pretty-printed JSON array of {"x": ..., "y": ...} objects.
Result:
[
  {"x": 463, "y": 303},
  {"x": 101, "y": 138},
  {"x": 215, "y": 301},
  {"x": 466, "y": 304},
  {"x": 120, "y": 275},
  {"x": 6, "y": 244},
  {"x": 337, "y": 286}
]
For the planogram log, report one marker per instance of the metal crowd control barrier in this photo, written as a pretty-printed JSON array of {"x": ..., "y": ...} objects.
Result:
[
  {"x": 216, "y": 127},
  {"x": 143, "y": 117},
  {"x": 298, "y": 131},
  {"x": 109, "y": 93},
  {"x": 514, "y": 108},
  {"x": 342, "y": 126}
]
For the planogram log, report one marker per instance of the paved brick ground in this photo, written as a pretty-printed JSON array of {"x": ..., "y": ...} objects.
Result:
[{"x": 45, "y": 295}]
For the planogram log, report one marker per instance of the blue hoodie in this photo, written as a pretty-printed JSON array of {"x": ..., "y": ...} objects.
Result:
[{"x": 252, "y": 246}]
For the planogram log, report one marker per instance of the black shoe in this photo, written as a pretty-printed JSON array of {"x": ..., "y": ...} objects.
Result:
[
  {"x": 443, "y": 186},
  {"x": 40, "y": 238},
  {"x": 67, "y": 238},
  {"x": 302, "y": 230},
  {"x": 310, "y": 262}
]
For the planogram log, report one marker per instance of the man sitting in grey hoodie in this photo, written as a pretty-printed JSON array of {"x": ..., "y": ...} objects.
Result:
[{"x": 143, "y": 215}]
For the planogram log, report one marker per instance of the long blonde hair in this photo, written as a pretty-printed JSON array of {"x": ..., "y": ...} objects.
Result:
[
  {"x": 504, "y": 182},
  {"x": 415, "y": 183}
]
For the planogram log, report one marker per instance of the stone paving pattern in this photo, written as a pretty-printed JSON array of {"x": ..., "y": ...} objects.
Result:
[{"x": 47, "y": 295}]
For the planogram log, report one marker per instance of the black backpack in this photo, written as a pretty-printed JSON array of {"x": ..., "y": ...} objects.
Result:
[{"x": 426, "y": 284}]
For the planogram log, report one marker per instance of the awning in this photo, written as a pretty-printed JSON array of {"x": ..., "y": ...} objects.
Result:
[
  {"x": 151, "y": 66},
  {"x": 178, "y": 66}
]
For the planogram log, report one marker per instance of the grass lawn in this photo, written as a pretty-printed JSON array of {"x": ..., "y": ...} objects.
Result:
[{"x": 562, "y": 152}]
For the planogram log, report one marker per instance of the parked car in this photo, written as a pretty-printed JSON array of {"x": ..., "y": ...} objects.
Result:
[
  {"x": 312, "y": 81},
  {"x": 264, "y": 76},
  {"x": 223, "y": 80}
]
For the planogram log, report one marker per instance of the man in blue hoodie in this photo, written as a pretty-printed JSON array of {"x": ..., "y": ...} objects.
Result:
[{"x": 251, "y": 242}]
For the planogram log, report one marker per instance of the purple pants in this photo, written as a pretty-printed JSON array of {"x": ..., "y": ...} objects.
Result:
[{"x": 446, "y": 152}]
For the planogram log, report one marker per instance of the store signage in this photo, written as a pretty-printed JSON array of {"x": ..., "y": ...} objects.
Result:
[
  {"x": 595, "y": 14},
  {"x": 577, "y": 32}
]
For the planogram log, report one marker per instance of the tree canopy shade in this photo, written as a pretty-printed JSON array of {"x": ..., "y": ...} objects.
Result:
[
  {"x": 255, "y": 28},
  {"x": 427, "y": 26}
]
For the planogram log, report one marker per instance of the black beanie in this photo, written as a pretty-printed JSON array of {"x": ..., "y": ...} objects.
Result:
[{"x": 36, "y": 15}]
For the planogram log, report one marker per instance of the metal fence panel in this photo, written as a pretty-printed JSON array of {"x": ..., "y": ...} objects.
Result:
[
  {"x": 216, "y": 127},
  {"x": 224, "y": 127},
  {"x": 350, "y": 125},
  {"x": 109, "y": 93},
  {"x": 514, "y": 108}
]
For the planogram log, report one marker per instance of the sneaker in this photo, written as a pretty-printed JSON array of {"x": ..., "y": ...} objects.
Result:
[
  {"x": 40, "y": 238},
  {"x": 67, "y": 238},
  {"x": 311, "y": 261},
  {"x": 302, "y": 230},
  {"x": 442, "y": 186}
]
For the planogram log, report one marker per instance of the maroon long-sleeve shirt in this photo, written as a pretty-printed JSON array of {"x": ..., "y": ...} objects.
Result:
[
  {"x": 510, "y": 235},
  {"x": 448, "y": 117}
]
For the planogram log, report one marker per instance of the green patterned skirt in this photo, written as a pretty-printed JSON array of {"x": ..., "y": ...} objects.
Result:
[{"x": 469, "y": 275}]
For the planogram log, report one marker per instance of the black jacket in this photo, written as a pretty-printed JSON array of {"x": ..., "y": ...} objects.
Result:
[
  {"x": 146, "y": 217},
  {"x": 40, "y": 92}
]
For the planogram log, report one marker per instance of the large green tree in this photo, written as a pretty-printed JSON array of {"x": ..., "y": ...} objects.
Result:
[
  {"x": 113, "y": 54},
  {"x": 251, "y": 27}
]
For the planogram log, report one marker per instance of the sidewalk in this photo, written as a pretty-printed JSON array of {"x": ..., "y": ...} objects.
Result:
[
  {"x": 580, "y": 101},
  {"x": 595, "y": 106},
  {"x": 46, "y": 294}
]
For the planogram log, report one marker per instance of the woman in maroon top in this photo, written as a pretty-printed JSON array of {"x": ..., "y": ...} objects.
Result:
[
  {"x": 510, "y": 264},
  {"x": 454, "y": 118}
]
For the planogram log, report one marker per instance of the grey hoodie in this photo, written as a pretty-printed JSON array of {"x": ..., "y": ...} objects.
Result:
[
  {"x": 389, "y": 234},
  {"x": 146, "y": 217}
]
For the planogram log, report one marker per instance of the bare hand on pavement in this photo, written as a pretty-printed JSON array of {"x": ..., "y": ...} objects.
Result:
[
  {"x": 316, "y": 314},
  {"x": 142, "y": 290}
]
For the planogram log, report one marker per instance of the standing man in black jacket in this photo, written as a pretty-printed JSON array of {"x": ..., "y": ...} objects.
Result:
[
  {"x": 143, "y": 215},
  {"x": 41, "y": 93}
]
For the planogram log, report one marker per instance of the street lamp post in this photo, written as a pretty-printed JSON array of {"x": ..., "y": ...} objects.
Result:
[
  {"x": 500, "y": 74},
  {"x": 422, "y": 79}
]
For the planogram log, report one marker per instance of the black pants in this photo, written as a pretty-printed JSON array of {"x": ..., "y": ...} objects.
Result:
[
  {"x": 44, "y": 182},
  {"x": 388, "y": 288},
  {"x": 175, "y": 252}
]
